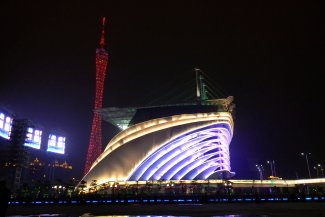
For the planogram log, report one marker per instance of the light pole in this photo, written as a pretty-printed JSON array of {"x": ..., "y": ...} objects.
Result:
[
  {"x": 269, "y": 162},
  {"x": 321, "y": 169},
  {"x": 306, "y": 156},
  {"x": 316, "y": 168},
  {"x": 274, "y": 168},
  {"x": 260, "y": 170}
]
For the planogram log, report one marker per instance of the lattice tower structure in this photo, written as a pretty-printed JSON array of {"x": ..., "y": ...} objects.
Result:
[{"x": 95, "y": 143}]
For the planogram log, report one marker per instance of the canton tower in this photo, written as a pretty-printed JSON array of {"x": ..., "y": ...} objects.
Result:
[{"x": 95, "y": 143}]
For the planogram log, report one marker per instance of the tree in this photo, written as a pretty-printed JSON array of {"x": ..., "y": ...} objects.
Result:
[{"x": 82, "y": 186}]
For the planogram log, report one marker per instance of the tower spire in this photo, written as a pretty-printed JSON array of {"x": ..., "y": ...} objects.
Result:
[
  {"x": 102, "y": 38},
  {"x": 95, "y": 142}
]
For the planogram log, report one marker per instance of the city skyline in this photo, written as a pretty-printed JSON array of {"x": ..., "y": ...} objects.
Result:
[{"x": 267, "y": 56}]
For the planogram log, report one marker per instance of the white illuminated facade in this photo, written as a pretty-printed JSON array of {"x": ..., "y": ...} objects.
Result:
[{"x": 178, "y": 147}]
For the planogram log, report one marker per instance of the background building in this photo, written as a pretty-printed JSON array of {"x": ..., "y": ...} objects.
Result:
[{"x": 29, "y": 155}]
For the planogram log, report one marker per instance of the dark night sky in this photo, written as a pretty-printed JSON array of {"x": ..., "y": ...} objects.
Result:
[{"x": 269, "y": 57}]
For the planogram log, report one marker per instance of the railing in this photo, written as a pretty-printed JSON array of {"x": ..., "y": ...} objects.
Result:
[{"x": 159, "y": 199}]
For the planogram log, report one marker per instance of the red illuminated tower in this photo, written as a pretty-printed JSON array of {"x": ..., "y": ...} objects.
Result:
[{"x": 95, "y": 143}]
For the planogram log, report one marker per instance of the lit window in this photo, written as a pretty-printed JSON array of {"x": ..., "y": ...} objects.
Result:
[
  {"x": 56, "y": 144},
  {"x": 2, "y": 120},
  {"x": 7, "y": 124},
  {"x": 61, "y": 142},
  {"x": 52, "y": 141},
  {"x": 37, "y": 136}
]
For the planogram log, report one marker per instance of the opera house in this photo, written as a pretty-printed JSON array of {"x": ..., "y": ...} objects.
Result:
[{"x": 171, "y": 142}]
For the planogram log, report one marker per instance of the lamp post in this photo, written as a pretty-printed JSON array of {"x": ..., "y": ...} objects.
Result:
[
  {"x": 306, "y": 156},
  {"x": 269, "y": 162},
  {"x": 321, "y": 169},
  {"x": 260, "y": 170},
  {"x": 274, "y": 167},
  {"x": 316, "y": 168}
]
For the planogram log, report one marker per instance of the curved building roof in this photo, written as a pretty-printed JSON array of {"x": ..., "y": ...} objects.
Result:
[{"x": 178, "y": 146}]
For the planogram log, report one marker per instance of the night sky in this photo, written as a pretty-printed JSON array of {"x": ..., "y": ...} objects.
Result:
[{"x": 270, "y": 57}]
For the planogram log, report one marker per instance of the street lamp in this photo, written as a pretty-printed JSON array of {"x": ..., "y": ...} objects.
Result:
[
  {"x": 274, "y": 167},
  {"x": 260, "y": 170},
  {"x": 269, "y": 162},
  {"x": 306, "y": 156},
  {"x": 316, "y": 168},
  {"x": 321, "y": 169}
]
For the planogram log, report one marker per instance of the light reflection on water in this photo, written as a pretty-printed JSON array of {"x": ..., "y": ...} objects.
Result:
[
  {"x": 91, "y": 215},
  {"x": 177, "y": 216}
]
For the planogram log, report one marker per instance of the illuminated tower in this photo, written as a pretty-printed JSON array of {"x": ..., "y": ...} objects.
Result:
[{"x": 95, "y": 143}]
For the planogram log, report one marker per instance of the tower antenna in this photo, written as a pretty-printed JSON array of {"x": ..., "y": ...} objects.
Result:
[{"x": 102, "y": 38}]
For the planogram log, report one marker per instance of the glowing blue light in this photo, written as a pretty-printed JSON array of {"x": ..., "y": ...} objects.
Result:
[
  {"x": 194, "y": 155},
  {"x": 33, "y": 138},
  {"x": 5, "y": 126},
  {"x": 56, "y": 144}
]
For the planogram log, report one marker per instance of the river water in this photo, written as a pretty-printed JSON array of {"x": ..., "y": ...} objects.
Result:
[{"x": 91, "y": 215}]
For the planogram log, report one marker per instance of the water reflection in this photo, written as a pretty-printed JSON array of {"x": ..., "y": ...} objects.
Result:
[
  {"x": 138, "y": 216},
  {"x": 175, "y": 216},
  {"x": 39, "y": 215},
  {"x": 91, "y": 215},
  {"x": 179, "y": 216}
]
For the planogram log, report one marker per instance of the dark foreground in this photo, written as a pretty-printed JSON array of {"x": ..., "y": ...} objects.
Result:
[{"x": 216, "y": 209}]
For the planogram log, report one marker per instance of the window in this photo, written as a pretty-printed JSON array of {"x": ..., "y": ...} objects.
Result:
[
  {"x": 7, "y": 126},
  {"x": 2, "y": 120}
]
